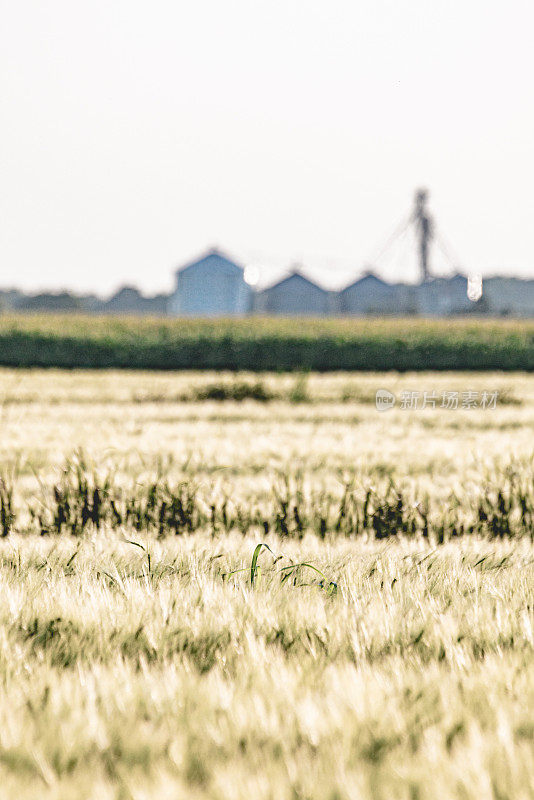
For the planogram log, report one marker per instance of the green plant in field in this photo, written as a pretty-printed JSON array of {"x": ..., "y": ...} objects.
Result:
[
  {"x": 83, "y": 500},
  {"x": 7, "y": 514},
  {"x": 287, "y": 571},
  {"x": 237, "y": 391},
  {"x": 145, "y": 550},
  {"x": 299, "y": 391},
  {"x": 254, "y": 563}
]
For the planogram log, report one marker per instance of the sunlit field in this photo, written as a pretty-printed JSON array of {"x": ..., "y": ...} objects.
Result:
[{"x": 379, "y": 644}]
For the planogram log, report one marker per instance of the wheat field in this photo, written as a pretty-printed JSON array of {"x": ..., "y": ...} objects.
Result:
[{"x": 140, "y": 663}]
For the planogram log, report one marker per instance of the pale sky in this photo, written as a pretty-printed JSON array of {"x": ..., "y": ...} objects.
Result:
[{"x": 136, "y": 134}]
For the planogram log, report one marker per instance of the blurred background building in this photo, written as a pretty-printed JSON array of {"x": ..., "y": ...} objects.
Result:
[{"x": 215, "y": 285}]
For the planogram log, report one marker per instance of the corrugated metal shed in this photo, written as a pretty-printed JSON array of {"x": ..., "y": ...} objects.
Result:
[
  {"x": 508, "y": 296},
  {"x": 371, "y": 295},
  {"x": 294, "y": 295},
  {"x": 442, "y": 297},
  {"x": 214, "y": 285}
]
